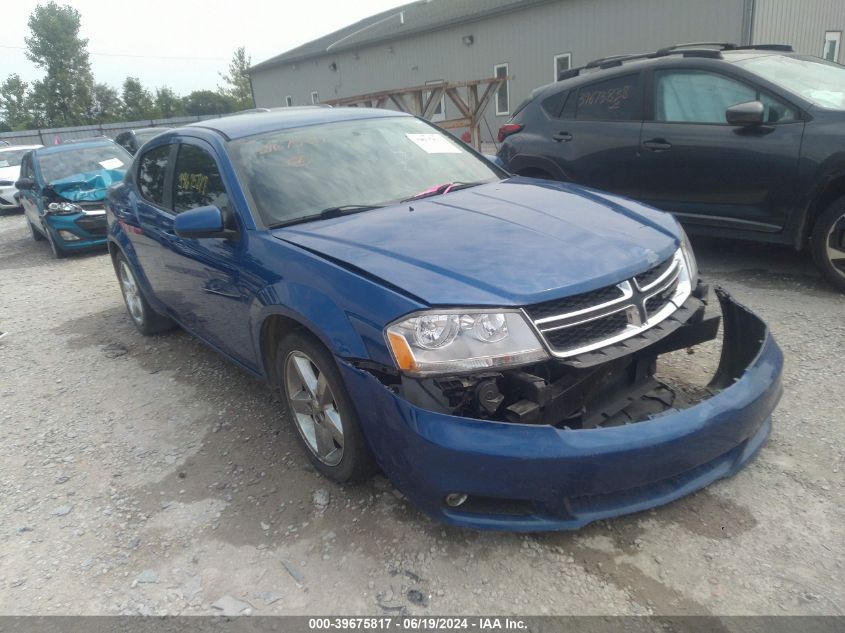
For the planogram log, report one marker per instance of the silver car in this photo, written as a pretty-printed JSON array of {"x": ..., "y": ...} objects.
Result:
[{"x": 10, "y": 167}]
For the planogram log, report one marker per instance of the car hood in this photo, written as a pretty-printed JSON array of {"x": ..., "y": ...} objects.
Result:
[
  {"x": 510, "y": 243},
  {"x": 87, "y": 186}
]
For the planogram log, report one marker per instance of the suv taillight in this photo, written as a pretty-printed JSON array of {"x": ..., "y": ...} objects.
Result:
[{"x": 509, "y": 128}]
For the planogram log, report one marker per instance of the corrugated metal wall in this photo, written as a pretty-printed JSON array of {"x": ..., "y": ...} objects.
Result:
[
  {"x": 526, "y": 40},
  {"x": 801, "y": 23}
]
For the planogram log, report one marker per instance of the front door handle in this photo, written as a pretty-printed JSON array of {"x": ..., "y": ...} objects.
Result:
[
  {"x": 564, "y": 137},
  {"x": 657, "y": 145}
]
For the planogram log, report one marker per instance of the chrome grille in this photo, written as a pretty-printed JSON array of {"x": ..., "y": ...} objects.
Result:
[
  {"x": 574, "y": 303},
  {"x": 594, "y": 319}
]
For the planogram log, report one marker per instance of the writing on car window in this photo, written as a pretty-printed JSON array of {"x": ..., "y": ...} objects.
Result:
[{"x": 618, "y": 98}]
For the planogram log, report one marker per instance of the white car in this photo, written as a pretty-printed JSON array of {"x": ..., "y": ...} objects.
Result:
[{"x": 10, "y": 167}]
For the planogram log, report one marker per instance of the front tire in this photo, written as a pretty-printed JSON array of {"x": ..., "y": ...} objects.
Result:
[
  {"x": 57, "y": 251},
  {"x": 37, "y": 235},
  {"x": 321, "y": 410},
  {"x": 827, "y": 243},
  {"x": 147, "y": 320}
]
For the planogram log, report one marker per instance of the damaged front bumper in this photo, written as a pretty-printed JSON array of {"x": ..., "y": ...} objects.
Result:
[
  {"x": 78, "y": 231},
  {"x": 534, "y": 477}
]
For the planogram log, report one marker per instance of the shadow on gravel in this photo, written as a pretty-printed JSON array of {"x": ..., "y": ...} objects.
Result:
[
  {"x": 762, "y": 266},
  {"x": 250, "y": 457}
]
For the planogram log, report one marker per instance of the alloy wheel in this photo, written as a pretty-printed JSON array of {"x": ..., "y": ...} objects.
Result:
[
  {"x": 835, "y": 246},
  {"x": 131, "y": 293},
  {"x": 314, "y": 408}
]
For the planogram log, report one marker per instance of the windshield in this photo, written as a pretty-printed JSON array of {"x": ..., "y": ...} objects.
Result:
[
  {"x": 12, "y": 157},
  {"x": 816, "y": 80},
  {"x": 81, "y": 160},
  {"x": 296, "y": 173}
]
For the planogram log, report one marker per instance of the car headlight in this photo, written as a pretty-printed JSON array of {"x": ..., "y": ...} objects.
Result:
[
  {"x": 454, "y": 341},
  {"x": 689, "y": 257},
  {"x": 63, "y": 208}
]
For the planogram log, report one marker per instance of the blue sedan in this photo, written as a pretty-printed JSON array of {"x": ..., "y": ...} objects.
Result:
[
  {"x": 489, "y": 342},
  {"x": 62, "y": 191}
]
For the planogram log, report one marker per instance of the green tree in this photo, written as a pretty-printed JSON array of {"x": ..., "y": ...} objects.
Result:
[
  {"x": 106, "y": 106},
  {"x": 201, "y": 102},
  {"x": 167, "y": 103},
  {"x": 239, "y": 88},
  {"x": 55, "y": 46},
  {"x": 14, "y": 107},
  {"x": 137, "y": 101}
]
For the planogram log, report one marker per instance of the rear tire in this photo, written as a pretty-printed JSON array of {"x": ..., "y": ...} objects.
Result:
[
  {"x": 147, "y": 320},
  {"x": 827, "y": 243},
  {"x": 321, "y": 410}
]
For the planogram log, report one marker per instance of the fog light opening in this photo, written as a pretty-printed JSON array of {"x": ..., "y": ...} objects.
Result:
[
  {"x": 67, "y": 236},
  {"x": 455, "y": 499}
]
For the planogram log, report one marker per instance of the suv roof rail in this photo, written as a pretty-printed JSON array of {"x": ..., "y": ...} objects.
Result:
[
  {"x": 785, "y": 48},
  {"x": 711, "y": 50}
]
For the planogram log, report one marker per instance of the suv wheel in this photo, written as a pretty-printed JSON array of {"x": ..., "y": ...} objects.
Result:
[
  {"x": 321, "y": 410},
  {"x": 828, "y": 243},
  {"x": 147, "y": 320}
]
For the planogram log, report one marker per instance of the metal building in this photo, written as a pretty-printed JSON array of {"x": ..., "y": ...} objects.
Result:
[{"x": 529, "y": 40}]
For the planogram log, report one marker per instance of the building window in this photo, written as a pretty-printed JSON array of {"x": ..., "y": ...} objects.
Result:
[
  {"x": 832, "y": 42},
  {"x": 439, "y": 113},
  {"x": 563, "y": 62},
  {"x": 315, "y": 98},
  {"x": 503, "y": 102},
  {"x": 288, "y": 101}
]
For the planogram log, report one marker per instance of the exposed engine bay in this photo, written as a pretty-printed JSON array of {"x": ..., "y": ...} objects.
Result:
[{"x": 613, "y": 386}]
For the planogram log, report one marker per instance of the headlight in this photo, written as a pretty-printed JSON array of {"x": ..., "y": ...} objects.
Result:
[
  {"x": 63, "y": 208},
  {"x": 689, "y": 257},
  {"x": 453, "y": 341}
]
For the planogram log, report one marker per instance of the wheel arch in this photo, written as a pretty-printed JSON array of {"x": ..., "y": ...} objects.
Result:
[
  {"x": 831, "y": 190},
  {"x": 528, "y": 165}
]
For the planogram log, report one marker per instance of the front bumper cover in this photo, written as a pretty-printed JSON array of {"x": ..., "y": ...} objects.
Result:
[
  {"x": 89, "y": 226},
  {"x": 563, "y": 479}
]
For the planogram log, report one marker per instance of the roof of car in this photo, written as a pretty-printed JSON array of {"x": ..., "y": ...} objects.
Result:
[
  {"x": 66, "y": 147},
  {"x": 241, "y": 125}
]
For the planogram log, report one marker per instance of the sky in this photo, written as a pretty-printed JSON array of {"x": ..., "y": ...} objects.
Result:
[{"x": 183, "y": 44}]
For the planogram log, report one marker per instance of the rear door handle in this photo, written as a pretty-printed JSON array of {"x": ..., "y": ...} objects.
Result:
[
  {"x": 657, "y": 145},
  {"x": 562, "y": 136}
]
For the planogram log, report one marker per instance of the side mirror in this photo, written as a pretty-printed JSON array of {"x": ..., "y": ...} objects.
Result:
[
  {"x": 201, "y": 222},
  {"x": 745, "y": 114},
  {"x": 25, "y": 184}
]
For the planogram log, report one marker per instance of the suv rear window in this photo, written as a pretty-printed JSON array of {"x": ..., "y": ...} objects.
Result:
[{"x": 616, "y": 99}]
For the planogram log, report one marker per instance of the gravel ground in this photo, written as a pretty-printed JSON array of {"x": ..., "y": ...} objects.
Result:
[{"x": 148, "y": 475}]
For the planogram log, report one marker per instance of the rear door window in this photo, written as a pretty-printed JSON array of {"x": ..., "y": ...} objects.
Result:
[
  {"x": 197, "y": 181},
  {"x": 152, "y": 170},
  {"x": 615, "y": 99}
]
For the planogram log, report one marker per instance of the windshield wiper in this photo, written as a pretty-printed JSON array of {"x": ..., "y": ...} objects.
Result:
[
  {"x": 325, "y": 214},
  {"x": 344, "y": 209},
  {"x": 439, "y": 190}
]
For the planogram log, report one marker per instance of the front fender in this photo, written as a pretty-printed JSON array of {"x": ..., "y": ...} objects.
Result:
[{"x": 345, "y": 310}]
